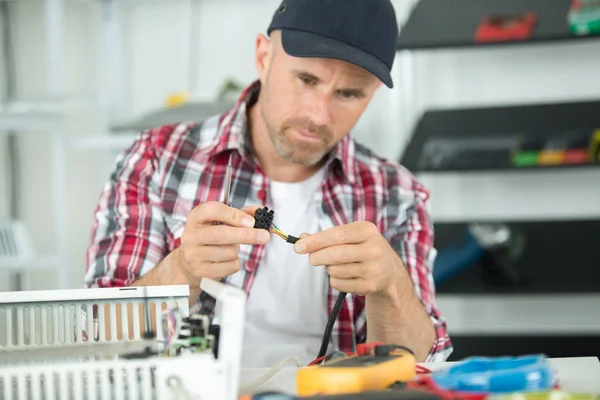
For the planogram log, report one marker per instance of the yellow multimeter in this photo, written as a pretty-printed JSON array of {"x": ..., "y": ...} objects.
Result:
[
  {"x": 356, "y": 374},
  {"x": 595, "y": 147}
]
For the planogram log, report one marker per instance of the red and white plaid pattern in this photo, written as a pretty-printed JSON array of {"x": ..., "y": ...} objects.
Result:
[{"x": 171, "y": 169}]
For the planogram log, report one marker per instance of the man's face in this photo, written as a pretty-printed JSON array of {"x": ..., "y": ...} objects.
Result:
[{"x": 309, "y": 104}]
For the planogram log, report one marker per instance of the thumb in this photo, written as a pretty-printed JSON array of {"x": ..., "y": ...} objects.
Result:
[{"x": 251, "y": 210}]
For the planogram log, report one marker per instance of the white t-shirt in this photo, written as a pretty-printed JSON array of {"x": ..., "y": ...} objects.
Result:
[{"x": 286, "y": 310}]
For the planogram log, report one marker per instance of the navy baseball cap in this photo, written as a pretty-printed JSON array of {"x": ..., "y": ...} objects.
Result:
[{"x": 361, "y": 32}]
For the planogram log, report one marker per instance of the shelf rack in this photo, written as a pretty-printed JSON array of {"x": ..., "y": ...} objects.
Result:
[
  {"x": 19, "y": 119},
  {"x": 505, "y": 138},
  {"x": 121, "y": 133},
  {"x": 39, "y": 119},
  {"x": 486, "y": 319},
  {"x": 52, "y": 124},
  {"x": 437, "y": 24}
]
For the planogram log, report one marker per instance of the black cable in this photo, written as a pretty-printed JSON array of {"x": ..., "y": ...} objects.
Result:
[
  {"x": 292, "y": 239},
  {"x": 264, "y": 220},
  {"x": 329, "y": 327}
]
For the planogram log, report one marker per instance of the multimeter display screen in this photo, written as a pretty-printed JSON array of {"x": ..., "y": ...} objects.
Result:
[{"x": 361, "y": 361}]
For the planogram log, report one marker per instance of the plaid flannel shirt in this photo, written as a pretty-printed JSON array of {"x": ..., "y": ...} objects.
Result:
[{"x": 171, "y": 169}]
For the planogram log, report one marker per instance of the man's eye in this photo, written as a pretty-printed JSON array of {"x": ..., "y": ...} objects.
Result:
[
  {"x": 307, "y": 80},
  {"x": 348, "y": 94}
]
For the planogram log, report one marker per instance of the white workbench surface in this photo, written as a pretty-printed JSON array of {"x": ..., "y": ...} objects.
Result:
[{"x": 580, "y": 374}]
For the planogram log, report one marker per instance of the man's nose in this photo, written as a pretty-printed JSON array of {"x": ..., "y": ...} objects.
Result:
[{"x": 318, "y": 108}]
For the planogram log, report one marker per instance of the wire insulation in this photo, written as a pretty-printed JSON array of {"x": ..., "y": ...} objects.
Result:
[
  {"x": 329, "y": 328},
  {"x": 288, "y": 238},
  {"x": 279, "y": 232},
  {"x": 336, "y": 308},
  {"x": 253, "y": 386}
]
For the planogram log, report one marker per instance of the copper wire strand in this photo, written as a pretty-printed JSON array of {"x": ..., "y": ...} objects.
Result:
[{"x": 279, "y": 232}]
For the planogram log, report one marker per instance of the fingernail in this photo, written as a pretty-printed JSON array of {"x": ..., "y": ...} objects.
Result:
[
  {"x": 263, "y": 236},
  {"x": 248, "y": 222},
  {"x": 299, "y": 246}
]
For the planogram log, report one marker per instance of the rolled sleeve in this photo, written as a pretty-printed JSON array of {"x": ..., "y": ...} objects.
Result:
[
  {"x": 412, "y": 238},
  {"x": 127, "y": 238}
]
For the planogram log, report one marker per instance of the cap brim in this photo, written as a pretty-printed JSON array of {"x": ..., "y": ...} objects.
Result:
[{"x": 307, "y": 44}]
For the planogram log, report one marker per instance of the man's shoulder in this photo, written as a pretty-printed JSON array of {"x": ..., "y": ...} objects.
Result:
[
  {"x": 181, "y": 136},
  {"x": 394, "y": 177}
]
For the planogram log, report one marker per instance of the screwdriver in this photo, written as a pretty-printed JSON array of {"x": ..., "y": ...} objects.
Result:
[{"x": 227, "y": 189}]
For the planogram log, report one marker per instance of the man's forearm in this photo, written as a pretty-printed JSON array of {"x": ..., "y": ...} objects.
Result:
[
  {"x": 165, "y": 273},
  {"x": 398, "y": 317}
]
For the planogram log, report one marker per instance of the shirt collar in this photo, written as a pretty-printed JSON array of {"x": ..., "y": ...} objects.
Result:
[{"x": 233, "y": 132}]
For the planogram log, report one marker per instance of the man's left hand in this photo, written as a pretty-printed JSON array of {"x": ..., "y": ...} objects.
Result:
[{"x": 357, "y": 257}]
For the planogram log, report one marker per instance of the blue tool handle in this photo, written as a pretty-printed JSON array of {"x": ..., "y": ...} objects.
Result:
[
  {"x": 451, "y": 261},
  {"x": 498, "y": 375}
]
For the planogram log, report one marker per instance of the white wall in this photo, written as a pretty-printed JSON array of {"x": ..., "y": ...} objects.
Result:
[{"x": 155, "y": 55}]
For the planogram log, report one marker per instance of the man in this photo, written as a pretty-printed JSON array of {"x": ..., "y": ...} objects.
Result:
[{"x": 365, "y": 220}]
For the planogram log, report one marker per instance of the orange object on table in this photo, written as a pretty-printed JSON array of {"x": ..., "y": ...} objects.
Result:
[{"x": 502, "y": 28}]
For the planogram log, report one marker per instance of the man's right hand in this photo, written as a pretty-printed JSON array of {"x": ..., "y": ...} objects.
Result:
[{"x": 211, "y": 241}]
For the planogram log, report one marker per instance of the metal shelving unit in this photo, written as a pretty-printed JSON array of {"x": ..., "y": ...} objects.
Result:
[
  {"x": 121, "y": 133},
  {"x": 421, "y": 33},
  {"x": 20, "y": 119},
  {"x": 33, "y": 117},
  {"x": 487, "y": 319}
]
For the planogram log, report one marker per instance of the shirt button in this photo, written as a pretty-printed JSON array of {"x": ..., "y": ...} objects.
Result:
[{"x": 262, "y": 195}]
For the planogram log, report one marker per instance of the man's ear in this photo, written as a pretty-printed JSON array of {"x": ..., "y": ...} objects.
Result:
[{"x": 263, "y": 55}]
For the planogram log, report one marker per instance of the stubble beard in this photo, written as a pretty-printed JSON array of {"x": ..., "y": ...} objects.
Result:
[{"x": 296, "y": 152}]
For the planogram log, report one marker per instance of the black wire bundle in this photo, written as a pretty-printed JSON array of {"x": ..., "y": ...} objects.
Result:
[
  {"x": 330, "y": 323},
  {"x": 264, "y": 220}
]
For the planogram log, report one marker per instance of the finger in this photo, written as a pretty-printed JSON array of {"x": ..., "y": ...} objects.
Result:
[
  {"x": 345, "y": 234},
  {"x": 223, "y": 235},
  {"x": 335, "y": 255},
  {"x": 217, "y": 254},
  {"x": 358, "y": 286},
  {"x": 304, "y": 235},
  {"x": 344, "y": 271},
  {"x": 211, "y": 212},
  {"x": 251, "y": 210},
  {"x": 223, "y": 269}
]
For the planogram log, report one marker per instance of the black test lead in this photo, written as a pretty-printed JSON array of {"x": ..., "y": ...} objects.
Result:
[{"x": 263, "y": 218}]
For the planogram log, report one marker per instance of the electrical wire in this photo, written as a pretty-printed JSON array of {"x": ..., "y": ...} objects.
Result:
[
  {"x": 288, "y": 238},
  {"x": 253, "y": 386},
  {"x": 174, "y": 324},
  {"x": 279, "y": 232},
  {"x": 330, "y": 322},
  {"x": 336, "y": 308}
]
